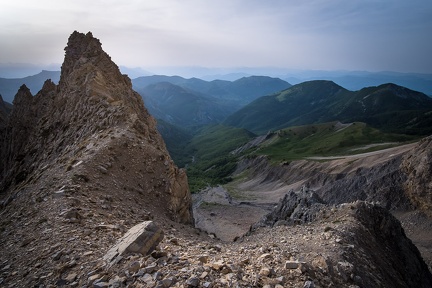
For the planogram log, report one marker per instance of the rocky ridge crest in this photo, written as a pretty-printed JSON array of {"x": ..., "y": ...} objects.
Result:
[{"x": 81, "y": 162}]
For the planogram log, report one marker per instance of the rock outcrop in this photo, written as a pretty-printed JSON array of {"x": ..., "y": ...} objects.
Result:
[
  {"x": 379, "y": 255},
  {"x": 417, "y": 166},
  {"x": 78, "y": 157},
  {"x": 294, "y": 208},
  {"x": 4, "y": 111}
]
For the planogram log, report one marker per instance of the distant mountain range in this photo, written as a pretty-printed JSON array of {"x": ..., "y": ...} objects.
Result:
[
  {"x": 183, "y": 107},
  {"x": 351, "y": 80},
  {"x": 9, "y": 87},
  {"x": 388, "y": 106},
  {"x": 195, "y": 102},
  {"x": 238, "y": 92},
  {"x": 357, "y": 80}
]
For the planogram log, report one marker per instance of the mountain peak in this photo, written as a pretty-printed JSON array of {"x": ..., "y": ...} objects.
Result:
[
  {"x": 80, "y": 44},
  {"x": 84, "y": 52},
  {"x": 23, "y": 95}
]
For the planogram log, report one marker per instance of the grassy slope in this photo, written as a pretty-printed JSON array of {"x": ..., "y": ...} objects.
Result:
[
  {"x": 387, "y": 107},
  {"x": 328, "y": 139},
  {"x": 213, "y": 161}
]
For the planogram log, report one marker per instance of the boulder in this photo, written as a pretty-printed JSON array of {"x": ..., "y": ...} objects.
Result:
[{"x": 142, "y": 238}]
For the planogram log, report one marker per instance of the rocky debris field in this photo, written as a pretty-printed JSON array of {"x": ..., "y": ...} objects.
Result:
[{"x": 338, "y": 249}]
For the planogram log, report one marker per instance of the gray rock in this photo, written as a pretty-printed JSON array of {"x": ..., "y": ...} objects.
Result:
[
  {"x": 296, "y": 207},
  {"x": 142, "y": 238},
  {"x": 101, "y": 284},
  {"x": 167, "y": 282},
  {"x": 134, "y": 266},
  {"x": 291, "y": 264},
  {"x": 193, "y": 282}
]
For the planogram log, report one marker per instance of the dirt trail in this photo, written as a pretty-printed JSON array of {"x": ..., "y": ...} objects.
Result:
[{"x": 389, "y": 152}]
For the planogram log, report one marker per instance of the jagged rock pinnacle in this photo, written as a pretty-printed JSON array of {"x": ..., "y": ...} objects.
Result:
[
  {"x": 66, "y": 124},
  {"x": 84, "y": 53},
  {"x": 23, "y": 96}
]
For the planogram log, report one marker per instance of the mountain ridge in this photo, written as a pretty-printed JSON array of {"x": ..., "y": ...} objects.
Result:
[
  {"x": 323, "y": 101},
  {"x": 9, "y": 87},
  {"x": 79, "y": 157}
]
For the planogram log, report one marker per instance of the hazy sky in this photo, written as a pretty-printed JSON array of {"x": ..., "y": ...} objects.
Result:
[{"x": 371, "y": 35}]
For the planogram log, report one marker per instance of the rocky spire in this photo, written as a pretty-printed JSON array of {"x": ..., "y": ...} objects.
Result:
[
  {"x": 95, "y": 101},
  {"x": 84, "y": 51}
]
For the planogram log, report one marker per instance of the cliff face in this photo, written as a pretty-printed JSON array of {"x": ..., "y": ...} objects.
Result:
[
  {"x": 86, "y": 153},
  {"x": 417, "y": 166},
  {"x": 4, "y": 111}
]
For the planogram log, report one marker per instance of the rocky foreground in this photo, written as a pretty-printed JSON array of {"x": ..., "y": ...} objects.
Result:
[
  {"x": 349, "y": 245},
  {"x": 82, "y": 164}
]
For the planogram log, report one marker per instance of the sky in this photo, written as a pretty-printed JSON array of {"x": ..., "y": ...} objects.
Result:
[{"x": 352, "y": 35}]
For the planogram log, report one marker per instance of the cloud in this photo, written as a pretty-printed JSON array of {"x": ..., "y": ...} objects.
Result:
[{"x": 320, "y": 34}]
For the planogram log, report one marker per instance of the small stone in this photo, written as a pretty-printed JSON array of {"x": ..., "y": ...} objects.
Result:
[
  {"x": 203, "y": 258},
  {"x": 207, "y": 285},
  {"x": 26, "y": 242},
  {"x": 174, "y": 241},
  {"x": 134, "y": 266},
  {"x": 244, "y": 261},
  {"x": 265, "y": 256},
  {"x": 265, "y": 271},
  {"x": 308, "y": 284},
  {"x": 157, "y": 276},
  {"x": 92, "y": 278},
  {"x": 7, "y": 267},
  {"x": 291, "y": 264},
  {"x": 167, "y": 282},
  {"x": 88, "y": 253},
  {"x": 280, "y": 280},
  {"x": 193, "y": 282},
  {"x": 151, "y": 268},
  {"x": 140, "y": 273},
  {"x": 159, "y": 254},
  {"x": 101, "y": 284},
  {"x": 203, "y": 275},
  {"x": 148, "y": 279},
  {"x": 71, "y": 277},
  {"x": 117, "y": 282},
  {"x": 217, "y": 265}
]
